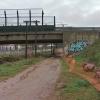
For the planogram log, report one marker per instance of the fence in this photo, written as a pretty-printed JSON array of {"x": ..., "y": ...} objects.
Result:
[{"x": 13, "y": 20}]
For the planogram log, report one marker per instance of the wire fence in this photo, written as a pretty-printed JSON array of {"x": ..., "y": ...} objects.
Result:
[{"x": 16, "y": 17}]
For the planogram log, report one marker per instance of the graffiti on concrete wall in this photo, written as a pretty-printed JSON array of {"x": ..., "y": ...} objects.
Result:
[{"x": 77, "y": 46}]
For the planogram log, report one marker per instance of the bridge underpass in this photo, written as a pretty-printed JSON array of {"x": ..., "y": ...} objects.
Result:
[
  {"x": 35, "y": 39},
  {"x": 28, "y": 27},
  {"x": 52, "y": 39}
]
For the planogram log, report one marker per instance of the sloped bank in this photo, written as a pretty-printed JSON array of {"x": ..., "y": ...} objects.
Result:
[{"x": 73, "y": 87}]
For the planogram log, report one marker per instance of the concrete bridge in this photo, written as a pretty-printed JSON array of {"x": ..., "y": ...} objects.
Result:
[
  {"x": 61, "y": 36},
  {"x": 58, "y": 36},
  {"x": 32, "y": 26}
]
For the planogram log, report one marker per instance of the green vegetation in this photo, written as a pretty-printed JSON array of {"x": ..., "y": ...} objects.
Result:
[
  {"x": 12, "y": 68},
  {"x": 91, "y": 54},
  {"x": 74, "y": 87},
  {"x": 9, "y": 58}
]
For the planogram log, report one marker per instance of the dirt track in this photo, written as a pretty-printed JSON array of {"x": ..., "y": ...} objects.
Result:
[{"x": 35, "y": 83}]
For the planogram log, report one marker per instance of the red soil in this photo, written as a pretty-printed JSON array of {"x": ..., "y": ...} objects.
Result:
[{"x": 73, "y": 68}]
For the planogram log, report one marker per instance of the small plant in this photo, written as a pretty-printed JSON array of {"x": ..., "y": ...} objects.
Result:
[{"x": 9, "y": 58}]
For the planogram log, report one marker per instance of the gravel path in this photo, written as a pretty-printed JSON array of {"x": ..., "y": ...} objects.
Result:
[{"x": 35, "y": 83}]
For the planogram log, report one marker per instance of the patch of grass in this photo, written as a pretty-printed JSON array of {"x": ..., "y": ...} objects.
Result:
[
  {"x": 79, "y": 58},
  {"x": 74, "y": 87},
  {"x": 9, "y": 58},
  {"x": 11, "y": 69}
]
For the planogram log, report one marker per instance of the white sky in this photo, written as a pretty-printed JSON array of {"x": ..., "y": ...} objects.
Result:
[{"x": 71, "y": 12}]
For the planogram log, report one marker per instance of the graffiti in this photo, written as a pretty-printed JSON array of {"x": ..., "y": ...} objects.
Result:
[{"x": 77, "y": 46}]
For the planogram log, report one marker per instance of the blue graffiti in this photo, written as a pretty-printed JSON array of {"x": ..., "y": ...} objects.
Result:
[{"x": 77, "y": 46}]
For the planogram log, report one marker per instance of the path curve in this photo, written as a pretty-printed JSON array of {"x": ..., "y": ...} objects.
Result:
[{"x": 35, "y": 83}]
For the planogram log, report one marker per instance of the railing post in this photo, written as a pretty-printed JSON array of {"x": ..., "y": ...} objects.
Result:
[
  {"x": 5, "y": 18},
  {"x": 54, "y": 21},
  {"x": 30, "y": 16},
  {"x": 42, "y": 17},
  {"x": 17, "y": 18}
]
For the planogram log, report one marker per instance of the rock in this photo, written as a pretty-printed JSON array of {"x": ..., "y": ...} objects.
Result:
[
  {"x": 88, "y": 67},
  {"x": 60, "y": 85},
  {"x": 97, "y": 74}
]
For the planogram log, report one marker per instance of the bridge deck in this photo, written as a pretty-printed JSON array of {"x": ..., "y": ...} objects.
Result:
[{"x": 32, "y": 37}]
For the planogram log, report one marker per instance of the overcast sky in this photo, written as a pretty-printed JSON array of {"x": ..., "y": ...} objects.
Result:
[{"x": 71, "y": 12}]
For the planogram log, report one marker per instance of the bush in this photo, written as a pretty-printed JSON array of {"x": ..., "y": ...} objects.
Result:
[{"x": 9, "y": 58}]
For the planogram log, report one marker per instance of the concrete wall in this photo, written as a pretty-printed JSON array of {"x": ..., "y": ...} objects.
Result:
[{"x": 71, "y": 36}]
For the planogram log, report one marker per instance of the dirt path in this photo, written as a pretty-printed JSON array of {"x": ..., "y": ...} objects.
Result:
[{"x": 36, "y": 83}]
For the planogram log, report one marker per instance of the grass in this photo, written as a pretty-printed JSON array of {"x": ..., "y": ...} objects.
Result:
[
  {"x": 12, "y": 68},
  {"x": 74, "y": 87}
]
